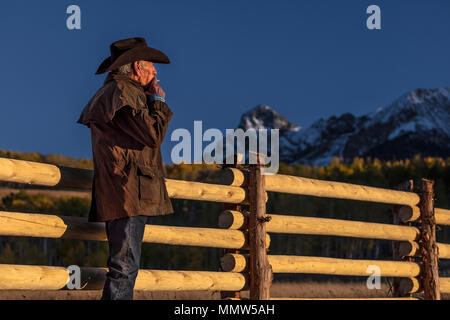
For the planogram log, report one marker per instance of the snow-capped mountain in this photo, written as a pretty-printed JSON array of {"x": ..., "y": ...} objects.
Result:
[
  {"x": 416, "y": 123},
  {"x": 264, "y": 116}
]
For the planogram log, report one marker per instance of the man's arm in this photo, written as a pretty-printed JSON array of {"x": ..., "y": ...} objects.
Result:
[{"x": 147, "y": 127}]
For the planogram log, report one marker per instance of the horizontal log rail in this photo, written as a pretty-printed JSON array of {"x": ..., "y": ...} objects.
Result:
[
  {"x": 442, "y": 216},
  {"x": 179, "y": 189},
  {"x": 444, "y": 285},
  {"x": 321, "y": 188},
  {"x": 318, "y": 265},
  {"x": 24, "y": 277},
  {"x": 411, "y": 249},
  {"x": 444, "y": 250},
  {"x": 408, "y": 286},
  {"x": 408, "y": 248},
  {"x": 30, "y": 172},
  {"x": 52, "y": 226},
  {"x": 409, "y": 214},
  {"x": 339, "y": 190},
  {"x": 49, "y": 175},
  {"x": 323, "y": 226}
]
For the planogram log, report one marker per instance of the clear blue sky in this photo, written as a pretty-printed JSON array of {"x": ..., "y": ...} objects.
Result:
[{"x": 306, "y": 59}]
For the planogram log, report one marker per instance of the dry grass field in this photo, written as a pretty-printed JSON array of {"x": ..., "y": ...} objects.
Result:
[{"x": 324, "y": 290}]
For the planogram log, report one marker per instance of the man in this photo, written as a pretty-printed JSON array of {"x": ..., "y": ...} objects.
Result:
[{"x": 128, "y": 118}]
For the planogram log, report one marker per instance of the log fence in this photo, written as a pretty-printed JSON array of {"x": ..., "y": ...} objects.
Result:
[{"x": 244, "y": 235}]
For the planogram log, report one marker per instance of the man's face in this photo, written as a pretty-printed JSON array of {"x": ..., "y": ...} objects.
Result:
[{"x": 146, "y": 72}]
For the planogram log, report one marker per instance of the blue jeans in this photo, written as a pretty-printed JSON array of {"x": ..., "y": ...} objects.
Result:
[{"x": 125, "y": 242}]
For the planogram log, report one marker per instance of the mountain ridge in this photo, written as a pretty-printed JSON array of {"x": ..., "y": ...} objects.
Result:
[{"x": 417, "y": 122}]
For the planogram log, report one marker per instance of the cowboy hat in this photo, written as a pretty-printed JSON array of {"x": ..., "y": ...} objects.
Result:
[{"x": 130, "y": 50}]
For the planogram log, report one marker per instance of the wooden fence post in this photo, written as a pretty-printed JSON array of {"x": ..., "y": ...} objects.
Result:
[
  {"x": 427, "y": 242},
  {"x": 406, "y": 186},
  {"x": 260, "y": 270}
]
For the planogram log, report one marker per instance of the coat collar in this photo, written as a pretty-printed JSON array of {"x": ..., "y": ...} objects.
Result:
[{"x": 118, "y": 91}]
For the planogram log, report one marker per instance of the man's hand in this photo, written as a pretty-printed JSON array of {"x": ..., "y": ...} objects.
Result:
[{"x": 153, "y": 88}]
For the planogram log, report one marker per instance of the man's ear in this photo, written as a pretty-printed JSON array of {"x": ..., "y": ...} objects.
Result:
[{"x": 136, "y": 66}]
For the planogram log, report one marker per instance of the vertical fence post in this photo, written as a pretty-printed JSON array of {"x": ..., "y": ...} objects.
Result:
[
  {"x": 396, "y": 292},
  {"x": 260, "y": 270},
  {"x": 427, "y": 242}
]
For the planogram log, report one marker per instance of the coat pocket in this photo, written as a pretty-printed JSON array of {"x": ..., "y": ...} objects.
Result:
[{"x": 149, "y": 185}]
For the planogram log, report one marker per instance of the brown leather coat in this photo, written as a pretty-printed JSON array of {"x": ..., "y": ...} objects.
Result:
[{"x": 126, "y": 134}]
